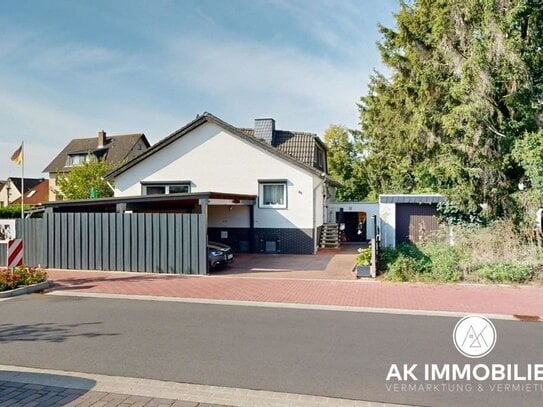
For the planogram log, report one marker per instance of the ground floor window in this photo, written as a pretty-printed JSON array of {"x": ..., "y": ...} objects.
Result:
[
  {"x": 165, "y": 188},
  {"x": 273, "y": 195}
]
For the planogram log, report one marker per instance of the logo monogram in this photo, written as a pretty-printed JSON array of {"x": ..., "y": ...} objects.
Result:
[{"x": 474, "y": 336}]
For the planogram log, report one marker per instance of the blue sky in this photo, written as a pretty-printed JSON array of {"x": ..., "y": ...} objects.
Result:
[{"x": 71, "y": 68}]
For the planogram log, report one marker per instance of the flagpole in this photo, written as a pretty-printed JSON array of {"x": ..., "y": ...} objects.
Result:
[{"x": 22, "y": 179}]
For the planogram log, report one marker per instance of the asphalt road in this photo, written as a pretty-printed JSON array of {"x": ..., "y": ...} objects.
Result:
[{"x": 327, "y": 353}]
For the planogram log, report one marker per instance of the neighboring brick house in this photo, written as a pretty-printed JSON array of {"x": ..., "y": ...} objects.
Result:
[
  {"x": 285, "y": 170},
  {"x": 36, "y": 195},
  {"x": 115, "y": 150},
  {"x": 10, "y": 191}
]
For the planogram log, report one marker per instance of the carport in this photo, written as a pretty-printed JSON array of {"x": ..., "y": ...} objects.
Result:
[{"x": 152, "y": 233}]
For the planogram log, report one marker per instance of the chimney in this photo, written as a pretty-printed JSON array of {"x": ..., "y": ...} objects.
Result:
[
  {"x": 264, "y": 129},
  {"x": 101, "y": 138}
]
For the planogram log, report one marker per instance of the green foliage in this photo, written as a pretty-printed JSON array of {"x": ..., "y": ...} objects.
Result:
[
  {"x": 12, "y": 211},
  {"x": 528, "y": 152},
  {"x": 21, "y": 276},
  {"x": 497, "y": 252},
  {"x": 464, "y": 93},
  {"x": 455, "y": 216},
  {"x": 433, "y": 262},
  {"x": 78, "y": 183},
  {"x": 363, "y": 257},
  {"x": 505, "y": 273},
  {"x": 345, "y": 163},
  {"x": 444, "y": 261}
]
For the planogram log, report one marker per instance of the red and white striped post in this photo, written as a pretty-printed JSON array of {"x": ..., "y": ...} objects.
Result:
[{"x": 15, "y": 253}]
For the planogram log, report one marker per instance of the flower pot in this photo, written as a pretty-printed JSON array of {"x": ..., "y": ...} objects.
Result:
[{"x": 363, "y": 271}]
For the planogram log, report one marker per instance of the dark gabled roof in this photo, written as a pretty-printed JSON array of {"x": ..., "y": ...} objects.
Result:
[
  {"x": 29, "y": 183},
  {"x": 300, "y": 145},
  {"x": 118, "y": 147},
  {"x": 208, "y": 117}
]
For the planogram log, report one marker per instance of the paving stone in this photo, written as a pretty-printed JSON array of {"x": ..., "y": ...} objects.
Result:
[{"x": 181, "y": 403}]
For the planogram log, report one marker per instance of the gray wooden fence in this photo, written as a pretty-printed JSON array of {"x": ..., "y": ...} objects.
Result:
[{"x": 150, "y": 242}]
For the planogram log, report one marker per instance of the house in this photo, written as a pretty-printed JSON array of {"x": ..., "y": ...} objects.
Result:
[
  {"x": 37, "y": 195},
  {"x": 285, "y": 172},
  {"x": 115, "y": 150},
  {"x": 11, "y": 189}
]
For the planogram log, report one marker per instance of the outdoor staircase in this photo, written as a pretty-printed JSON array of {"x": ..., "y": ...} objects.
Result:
[{"x": 329, "y": 236}]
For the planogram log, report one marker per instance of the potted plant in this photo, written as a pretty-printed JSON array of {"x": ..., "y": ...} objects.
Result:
[{"x": 363, "y": 262}]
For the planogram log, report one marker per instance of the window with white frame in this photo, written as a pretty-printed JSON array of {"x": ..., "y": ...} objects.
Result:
[
  {"x": 273, "y": 195},
  {"x": 166, "y": 188},
  {"x": 74, "y": 160}
]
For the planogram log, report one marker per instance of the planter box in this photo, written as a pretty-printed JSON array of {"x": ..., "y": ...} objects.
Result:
[
  {"x": 363, "y": 271},
  {"x": 27, "y": 289}
]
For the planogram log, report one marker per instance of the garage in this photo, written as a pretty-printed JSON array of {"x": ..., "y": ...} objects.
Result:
[{"x": 408, "y": 218}]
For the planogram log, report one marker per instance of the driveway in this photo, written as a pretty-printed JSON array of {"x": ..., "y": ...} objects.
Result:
[{"x": 327, "y": 264}]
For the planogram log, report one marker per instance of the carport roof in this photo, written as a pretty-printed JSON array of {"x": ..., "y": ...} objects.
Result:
[
  {"x": 105, "y": 204},
  {"x": 411, "y": 198}
]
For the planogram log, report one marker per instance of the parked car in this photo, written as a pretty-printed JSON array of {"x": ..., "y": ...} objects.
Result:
[{"x": 219, "y": 254}]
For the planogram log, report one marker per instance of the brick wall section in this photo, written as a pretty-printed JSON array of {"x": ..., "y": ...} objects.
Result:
[{"x": 289, "y": 241}]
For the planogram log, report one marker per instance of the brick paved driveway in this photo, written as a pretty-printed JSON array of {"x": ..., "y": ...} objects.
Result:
[{"x": 327, "y": 264}]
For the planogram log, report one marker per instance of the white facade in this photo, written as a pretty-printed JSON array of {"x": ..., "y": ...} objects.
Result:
[
  {"x": 387, "y": 214},
  {"x": 14, "y": 194},
  {"x": 214, "y": 159}
]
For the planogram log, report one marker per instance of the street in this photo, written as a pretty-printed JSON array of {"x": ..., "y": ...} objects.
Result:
[{"x": 325, "y": 353}]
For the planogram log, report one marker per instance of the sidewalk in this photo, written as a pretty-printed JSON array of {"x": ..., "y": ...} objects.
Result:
[
  {"x": 523, "y": 302},
  {"x": 31, "y": 387}
]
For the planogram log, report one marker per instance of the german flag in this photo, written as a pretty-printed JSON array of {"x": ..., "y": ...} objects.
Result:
[{"x": 17, "y": 156}]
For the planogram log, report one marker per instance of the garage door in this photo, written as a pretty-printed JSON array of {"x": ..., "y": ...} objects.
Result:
[{"x": 415, "y": 221}]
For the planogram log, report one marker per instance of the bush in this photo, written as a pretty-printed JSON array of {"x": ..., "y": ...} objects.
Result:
[
  {"x": 21, "y": 276},
  {"x": 505, "y": 273},
  {"x": 12, "y": 211},
  {"x": 429, "y": 262},
  {"x": 444, "y": 261}
]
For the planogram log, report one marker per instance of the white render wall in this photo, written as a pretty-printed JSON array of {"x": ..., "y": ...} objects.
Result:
[
  {"x": 221, "y": 216},
  {"x": 13, "y": 194},
  {"x": 218, "y": 161},
  {"x": 387, "y": 213}
]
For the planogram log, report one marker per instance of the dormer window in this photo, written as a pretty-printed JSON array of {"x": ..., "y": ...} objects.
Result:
[
  {"x": 320, "y": 160},
  {"x": 74, "y": 160}
]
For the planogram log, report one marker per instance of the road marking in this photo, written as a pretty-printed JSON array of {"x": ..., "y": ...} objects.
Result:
[
  {"x": 171, "y": 390},
  {"x": 396, "y": 311}
]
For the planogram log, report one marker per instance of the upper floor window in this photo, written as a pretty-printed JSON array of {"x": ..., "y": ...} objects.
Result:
[
  {"x": 320, "y": 159},
  {"x": 273, "y": 194},
  {"x": 78, "y": 159},
  {"x": 166, "y": 188}
]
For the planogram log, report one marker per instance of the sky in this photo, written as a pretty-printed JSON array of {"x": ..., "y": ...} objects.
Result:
[{"x": 69, "y": 69}]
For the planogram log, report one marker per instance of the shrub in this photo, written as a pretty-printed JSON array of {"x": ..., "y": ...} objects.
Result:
[
  {"x": 444, "y": 261},
  {"x": 504, "y": 273},
  {"x": 21, "y": 276}
]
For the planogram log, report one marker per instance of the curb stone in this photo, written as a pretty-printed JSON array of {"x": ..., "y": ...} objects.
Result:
[{"x": 26, "y": 289}]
